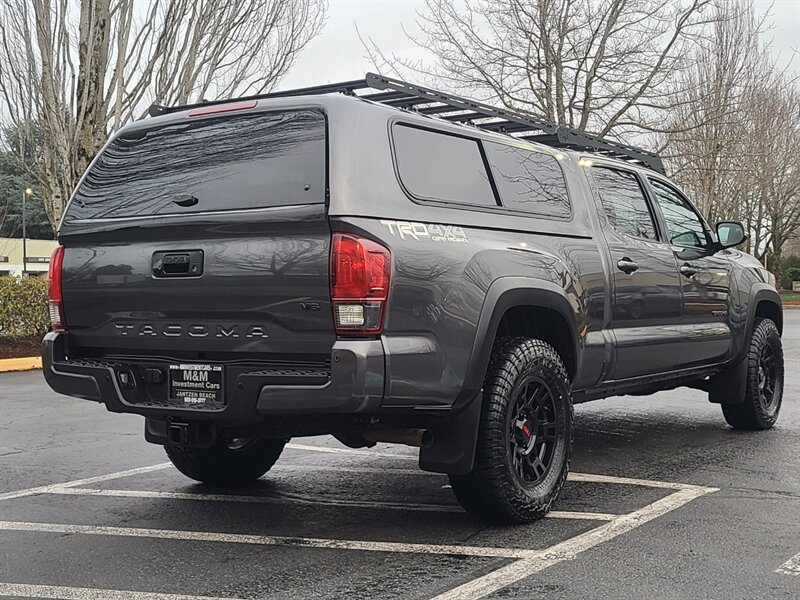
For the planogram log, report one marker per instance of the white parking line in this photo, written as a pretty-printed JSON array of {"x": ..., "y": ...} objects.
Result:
[
  {"x": 46, "y": 489},
  {"x": 287, "y": 498},
  {"x": 569, "y": 549},
  {"x": 580, "y": 516},
  {"x": 267, "y": 540},
  {"x": 593, "y": 478},
  {"x": 22, "y": 590},
  {"x": 790, "y": 567}
]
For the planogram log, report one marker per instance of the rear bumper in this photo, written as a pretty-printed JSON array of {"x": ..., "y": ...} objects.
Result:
[{"x": 354, "y": 383}]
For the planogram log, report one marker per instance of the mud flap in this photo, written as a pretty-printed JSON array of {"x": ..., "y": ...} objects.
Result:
[
  {"x": 729, "y": 386},
  {"x": 454, "y": 441}
]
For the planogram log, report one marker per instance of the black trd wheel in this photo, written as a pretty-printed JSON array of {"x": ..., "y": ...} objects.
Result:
[
  {"x": 525, "y": 435},
  {"x": 230, "y": 462},
  {"x": 764, "y": 385}
]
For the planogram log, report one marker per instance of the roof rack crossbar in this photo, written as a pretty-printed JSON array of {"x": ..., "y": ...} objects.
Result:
[
  {"x": 346, "y": 87},
  {"x": 400, "y": 94}
]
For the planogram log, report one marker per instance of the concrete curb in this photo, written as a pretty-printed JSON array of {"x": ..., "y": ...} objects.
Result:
[{"x": 20, "y": 364}]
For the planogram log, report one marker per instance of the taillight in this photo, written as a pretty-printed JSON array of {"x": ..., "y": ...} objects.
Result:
[
  {"x": 360, "y": 272},
  {"x": 57, "y": 321}
]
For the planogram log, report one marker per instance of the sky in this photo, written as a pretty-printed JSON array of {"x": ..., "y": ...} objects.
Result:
[{"x": 338, "y": 55}]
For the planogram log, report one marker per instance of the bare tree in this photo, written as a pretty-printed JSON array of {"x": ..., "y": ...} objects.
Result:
[
  {"x": 733, "y": 138},
  {"x": 775, "y": 165},
  {"x": 599, "y": 65},
  {"x": 704, "y": 126},
  {"x": 71, "y": 71}
]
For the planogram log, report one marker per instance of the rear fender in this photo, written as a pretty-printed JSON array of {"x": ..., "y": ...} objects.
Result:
[{"x": 453, "y": 450}]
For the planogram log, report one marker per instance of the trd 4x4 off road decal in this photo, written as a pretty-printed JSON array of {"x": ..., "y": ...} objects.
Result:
[{"x": 425, "y": 231}]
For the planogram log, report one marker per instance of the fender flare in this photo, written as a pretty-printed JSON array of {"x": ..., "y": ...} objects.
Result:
[
  {"x": 508, "y": 292},
  {"x": 761, "y": 292}
]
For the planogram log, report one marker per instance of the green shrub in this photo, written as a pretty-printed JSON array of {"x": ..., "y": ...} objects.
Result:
[
  {"x": 23, "y": 307},
  {"x": 790, "y": 271}
]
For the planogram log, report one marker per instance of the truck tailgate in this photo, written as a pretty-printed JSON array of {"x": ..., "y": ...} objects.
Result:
[{"x": 262, "y": 289}]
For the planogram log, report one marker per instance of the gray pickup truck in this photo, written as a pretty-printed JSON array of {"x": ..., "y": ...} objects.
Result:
[{"x": 386, "y": 263}]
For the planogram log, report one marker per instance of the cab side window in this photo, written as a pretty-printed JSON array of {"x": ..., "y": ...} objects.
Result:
[
  {"x": 684, "y": 226},
  {"x": 624, "y": 202},
  {"x": 528, "y": 181}
]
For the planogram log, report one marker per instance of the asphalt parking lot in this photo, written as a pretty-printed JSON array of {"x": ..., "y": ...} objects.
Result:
[{"x": 665, "y": 501}]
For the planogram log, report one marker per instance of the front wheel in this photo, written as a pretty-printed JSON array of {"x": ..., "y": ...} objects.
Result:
[
  {"x": 232, "y": 461},
  {"x": 764, "y": 383},
  {"x": 525, "y": 435}
]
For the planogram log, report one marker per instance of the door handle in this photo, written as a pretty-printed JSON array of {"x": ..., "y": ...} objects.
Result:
[
  {"x": 688, "y": 270},
  {"x": 627, "y": 266}
]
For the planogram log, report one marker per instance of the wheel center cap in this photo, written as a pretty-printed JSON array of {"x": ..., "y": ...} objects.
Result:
[{"x": 527, "y": 431}]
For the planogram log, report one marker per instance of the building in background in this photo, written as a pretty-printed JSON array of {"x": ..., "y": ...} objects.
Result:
[{"x": 39, "y": 252}]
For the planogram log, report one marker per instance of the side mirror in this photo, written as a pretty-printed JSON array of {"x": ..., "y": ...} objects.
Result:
[{"x": 730, "y": 233}]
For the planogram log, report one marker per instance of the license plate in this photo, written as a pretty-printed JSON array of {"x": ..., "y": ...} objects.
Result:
[{"x": 193, "y": 383}]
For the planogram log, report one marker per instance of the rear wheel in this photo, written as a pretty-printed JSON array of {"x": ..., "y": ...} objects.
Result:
[
  {"x": 525, "y": 435},
  {"x": 764, "y": 383},
  {"x": 229, "y": 462}
]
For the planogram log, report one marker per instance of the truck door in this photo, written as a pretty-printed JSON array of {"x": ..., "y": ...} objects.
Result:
[
  {"x": 705, "y": 279},
  {"x": 646, "y": 300}
]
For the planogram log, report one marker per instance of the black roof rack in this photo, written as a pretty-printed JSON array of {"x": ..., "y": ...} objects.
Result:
[{"x": 400, "y": 94}]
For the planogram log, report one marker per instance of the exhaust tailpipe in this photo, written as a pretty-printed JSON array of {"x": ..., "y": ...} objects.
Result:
[{"x": 419, "y": 438}]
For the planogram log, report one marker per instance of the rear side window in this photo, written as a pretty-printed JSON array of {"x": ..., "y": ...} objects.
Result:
[
  {"x": 438, "y": 166},
  {"x": 624, "y": 202},
  {"x": 197, "y": 165},
  {"x": 528, "y": 180}
]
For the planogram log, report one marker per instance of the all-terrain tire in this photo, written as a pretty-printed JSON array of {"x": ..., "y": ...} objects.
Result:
[
  {"x": 503, "y": 487},
  {"x": 232, "y": 462},
  {"x": 764, "y": 383}
]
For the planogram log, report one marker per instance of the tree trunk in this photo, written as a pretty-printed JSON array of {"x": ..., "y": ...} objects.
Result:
[
  {"x": 777, "y": 261},
  {"x": 95, "y": 26}
]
